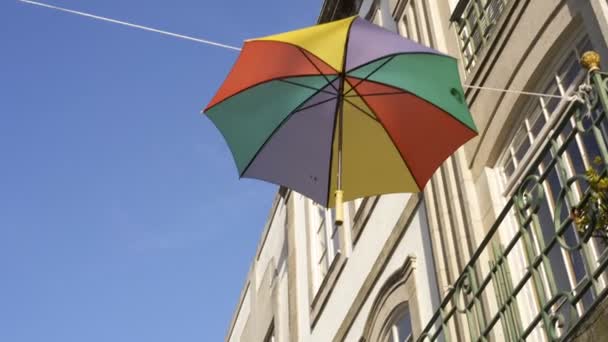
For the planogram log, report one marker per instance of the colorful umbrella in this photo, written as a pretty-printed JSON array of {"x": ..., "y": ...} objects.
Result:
[{"x": 345, "y": 108}]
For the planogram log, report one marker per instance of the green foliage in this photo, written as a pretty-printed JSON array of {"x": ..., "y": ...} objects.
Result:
[{"x": 592, "y": 213}]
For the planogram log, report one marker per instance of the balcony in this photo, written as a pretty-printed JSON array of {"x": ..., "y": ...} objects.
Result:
[
  {"x": 541, "y": 271},
  {"x": 476, "y": 24}
]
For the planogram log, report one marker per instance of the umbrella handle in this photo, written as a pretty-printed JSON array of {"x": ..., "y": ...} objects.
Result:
[{"x": 339, "y": 219}]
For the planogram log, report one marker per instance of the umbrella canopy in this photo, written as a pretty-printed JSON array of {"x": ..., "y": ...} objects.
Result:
[{"x": 343, "y": 105}]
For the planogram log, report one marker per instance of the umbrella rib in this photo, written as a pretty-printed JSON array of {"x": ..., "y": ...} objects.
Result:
[
  {"x": 319, "y": 70},
  {"x": 395, "y": 146},
  {"x": 275, "y": 79},
  {"x": 400, "y": 91},
  {"x": 397, "y": 92},
  {"x": 370, "y": 115},
  {"x": 370, "y": 74},
  {"x": 299, "y": 108},
  {"x": 312, "y": 105},
  {"x": 309, "y": 87}
]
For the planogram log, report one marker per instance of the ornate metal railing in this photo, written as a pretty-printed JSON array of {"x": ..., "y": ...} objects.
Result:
[
  {"x": 476, "y": 22},
  {"x": 543, "y": 266}
]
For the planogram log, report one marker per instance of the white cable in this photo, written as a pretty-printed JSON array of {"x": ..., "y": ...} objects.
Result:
[
  {"x": 132, "y": 25},
  {"x": 518, "y": 92},
  {"x": 208, "y": 42}
]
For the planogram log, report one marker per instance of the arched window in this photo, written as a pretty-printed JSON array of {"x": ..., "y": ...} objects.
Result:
[
  {"x": 393, "y": 316},
  {"x": 399, "y": 328}
]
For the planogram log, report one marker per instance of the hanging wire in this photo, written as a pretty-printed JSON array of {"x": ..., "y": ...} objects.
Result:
[
  {"x": 520, "y": 92},
  {"x": 145, "y": 28},
  {"x": 234, "y": 48}
]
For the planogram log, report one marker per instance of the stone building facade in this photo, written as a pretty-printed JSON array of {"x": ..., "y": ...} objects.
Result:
[{"x": 489, "y": 251}]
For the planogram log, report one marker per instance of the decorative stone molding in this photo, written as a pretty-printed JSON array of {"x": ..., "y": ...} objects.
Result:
[{"x": 398, "y": 290}]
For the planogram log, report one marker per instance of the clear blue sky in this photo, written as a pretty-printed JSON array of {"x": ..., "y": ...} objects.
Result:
[{"x": 121, "y": 215}]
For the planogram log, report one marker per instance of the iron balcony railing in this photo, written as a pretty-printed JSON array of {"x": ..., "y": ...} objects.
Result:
[
  {"x": 476, "y": 22},
  {"x": 541, "y": 270}
]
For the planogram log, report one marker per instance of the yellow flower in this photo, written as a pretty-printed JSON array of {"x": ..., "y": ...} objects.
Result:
[
  {"x": 598, "y": 160},
  {"x": 603, "y": 184}
]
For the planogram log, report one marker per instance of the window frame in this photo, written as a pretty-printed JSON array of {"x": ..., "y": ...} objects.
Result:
[
  {"x": 399, "y": 289},
  {"x": 326, "y": 265},
  {"x": 323, "y": 245},
  {"x": 553, "y": 84},
  {"x": 476, "y": 27},
  {"x": 551, "y": 119},
  {"x": 270, "y": 333},
  {"x": 392, "y": 333},
  {"x": 412, "y": 21}
]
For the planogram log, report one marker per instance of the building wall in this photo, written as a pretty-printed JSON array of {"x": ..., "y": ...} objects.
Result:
[
  {"x": 360, "y": 281},
  {"x": 263, "y": 302},
  {"x": 412, "y": 248}
]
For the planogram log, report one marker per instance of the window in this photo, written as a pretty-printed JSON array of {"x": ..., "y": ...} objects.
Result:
[
  {"x": 559, "y": 165},
  {"x": 540, "y": 110},
  {"x": 394, "y": 314},
  {"x": 476, "y": 25},
  {"x": 407, "y": 23},
  {"x": 359, "y": 212},
  {"x": 376, "y": 17},
  {"x": 325, "y": 242},
  {"x": 329, "y": 246},
  {"x": 270, "y": 334},
  {"x": 351, "y": 209},
  {"x": 412, "y": 21},
  {"x": 400, "y": 328}
]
